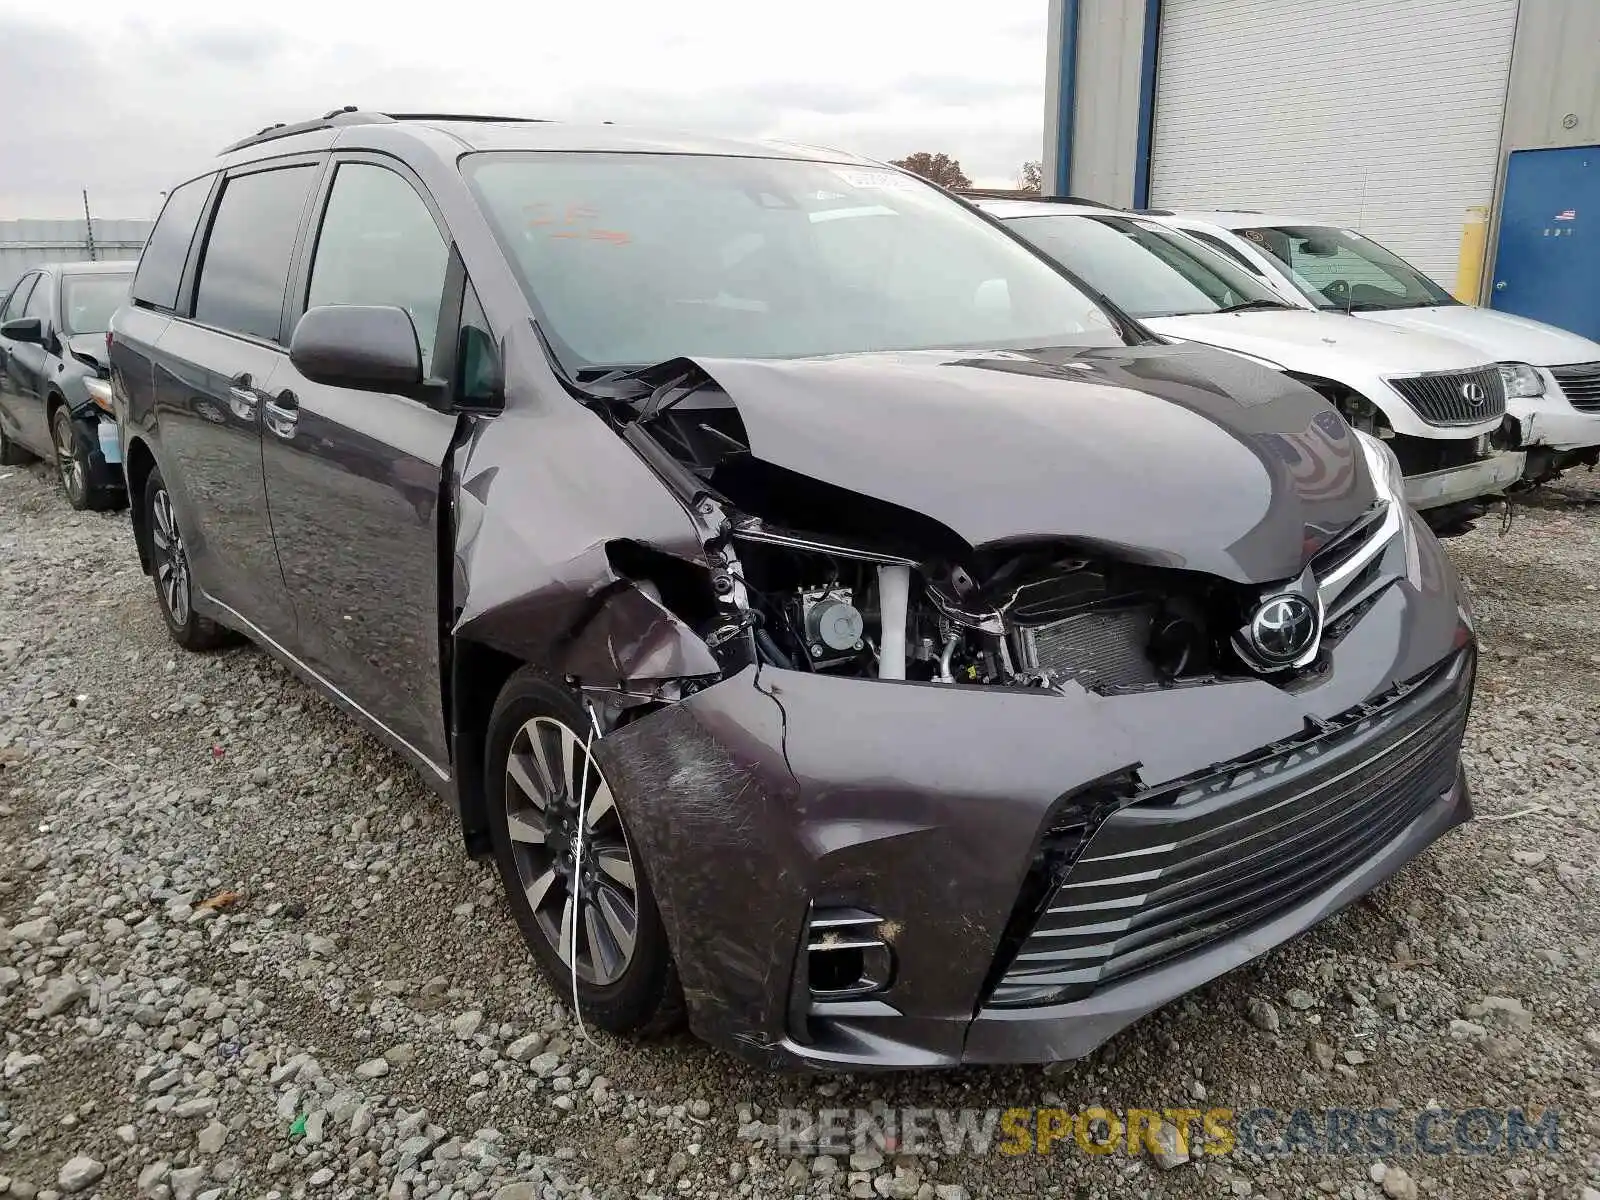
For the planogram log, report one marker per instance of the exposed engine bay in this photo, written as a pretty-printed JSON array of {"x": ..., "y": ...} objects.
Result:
[{"x": 835, "y": 582}]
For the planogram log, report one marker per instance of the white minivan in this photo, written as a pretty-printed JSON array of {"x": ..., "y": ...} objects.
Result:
[
  {"x": 1438, "y": 403},
  {"x": 1552, "y": 376}
]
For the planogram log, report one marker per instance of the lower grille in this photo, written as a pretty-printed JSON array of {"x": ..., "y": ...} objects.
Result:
[
  {"x": 1103, "y": 648},
  {"x": 1580, "y": 383},
  {"x": 1195, "y": 861},
  {"x": 1455, "y": 397},
  {"x": 1422, "y": 455}
]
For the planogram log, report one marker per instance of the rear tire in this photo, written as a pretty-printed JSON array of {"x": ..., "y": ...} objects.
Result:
[
  {"x": 627, "y": 982},
  {"x": 169, "y": 561}
]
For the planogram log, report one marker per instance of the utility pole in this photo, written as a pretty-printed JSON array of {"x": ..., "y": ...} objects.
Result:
[{"x": 88, "y": 224}]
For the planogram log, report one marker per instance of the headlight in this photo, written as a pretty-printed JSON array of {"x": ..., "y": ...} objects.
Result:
[
  {"x": 100, "y": 393},
  {"x": 1391, "y": 484},
  {"x": 1523, "y": 381},
  {"x": 1385, "y": 468}
]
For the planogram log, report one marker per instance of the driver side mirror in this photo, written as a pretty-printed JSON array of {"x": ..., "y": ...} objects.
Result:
[
  {"x": 24, "y": 329},
  {"x": 372, "y": 348}
]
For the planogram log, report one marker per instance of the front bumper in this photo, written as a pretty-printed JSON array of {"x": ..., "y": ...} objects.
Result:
[
  {"x": 1551, "y": 421},
  {"x": 1485, "y": 477},
  {"x": 109, "y": 442},
  {"x": 773, "y": 794}
]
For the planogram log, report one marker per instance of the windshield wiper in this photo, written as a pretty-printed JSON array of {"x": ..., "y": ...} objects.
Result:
[{"x": 1254, "y": 306}]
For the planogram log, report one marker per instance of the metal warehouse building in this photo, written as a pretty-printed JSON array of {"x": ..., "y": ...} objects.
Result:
[
  {"x": 25, "y": 244},
  {"x": 1396, "y": 117}
]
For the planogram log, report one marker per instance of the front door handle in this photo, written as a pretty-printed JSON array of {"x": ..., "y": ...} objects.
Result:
[
  {"x": 282, "y": 414},
  {"x": 242, "y": 398}
]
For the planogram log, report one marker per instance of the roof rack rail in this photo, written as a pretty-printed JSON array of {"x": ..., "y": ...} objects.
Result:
[
  {"x": 348, "y": 115},
  {"x": 445, "y": 116},
  {"x": 351, "y": 115},
  {"x": 1019, "y": 194},
  {"x": 1156, "y": 212}
]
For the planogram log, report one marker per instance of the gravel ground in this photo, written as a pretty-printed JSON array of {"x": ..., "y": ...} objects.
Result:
[{"x": 242, "y": 953}]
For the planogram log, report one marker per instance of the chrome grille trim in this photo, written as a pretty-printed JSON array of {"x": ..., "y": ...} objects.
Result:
[
  {"x": 1580, "y": 384},
  {"x": 1437, "y": 396},
  {"x": 1204, "y": 857}
]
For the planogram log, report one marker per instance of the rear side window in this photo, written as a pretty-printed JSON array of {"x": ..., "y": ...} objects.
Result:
[
  {"x": 245, "y": 267},
  {"x": 161, "y": 265},
  {"x": 379, "y": 245},
  {"x": 19, "y": 297}
]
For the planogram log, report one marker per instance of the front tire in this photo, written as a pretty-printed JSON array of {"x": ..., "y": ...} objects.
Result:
[
  {"x": 537, "y": 767},
  {"x": 170, "y": 568},
  {"x": 78, "y": 477}
]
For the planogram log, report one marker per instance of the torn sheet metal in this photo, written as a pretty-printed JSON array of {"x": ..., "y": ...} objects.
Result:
[{"x": 541, "y": 491}]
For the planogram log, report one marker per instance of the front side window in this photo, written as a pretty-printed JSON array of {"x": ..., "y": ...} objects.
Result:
[
  {"x": 1222, "y": 247},
  {"x": 87, "y": 301},
  {"x": 1340, "y": 269},
  {"x": 1144, "y": 270},
  {"x": 161, "y": 264},
  {"x": 244, "y": 271},
  {"x": 379, "y": 245},
  {"x": 18, "y": 300},
  {"x": 630, "y": 259},
  {"x": 39, "y": 303}
]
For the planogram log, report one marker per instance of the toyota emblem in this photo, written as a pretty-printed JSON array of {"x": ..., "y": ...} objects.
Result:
[
  {"x": 1472, "y": 392},
  {"x": 1283, "y": 629}
]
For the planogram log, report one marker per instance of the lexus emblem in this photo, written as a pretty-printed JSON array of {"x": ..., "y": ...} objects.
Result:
[
  {"x": 1473, "y": 393},
  {"x": 1283, "y": 629}
]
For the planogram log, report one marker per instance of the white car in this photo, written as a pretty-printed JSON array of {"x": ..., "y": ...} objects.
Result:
[
  {"x": 1552, "y": 376},
  {"x": 1438, "y": 403}
]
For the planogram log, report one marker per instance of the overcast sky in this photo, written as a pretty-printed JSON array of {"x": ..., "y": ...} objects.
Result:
[{"x": 124, "y": 98}]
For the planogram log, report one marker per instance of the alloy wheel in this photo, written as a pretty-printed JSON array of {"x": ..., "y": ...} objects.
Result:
[
  {"x": 546, "y": 770},
  {"x": 68, "y": 461},
  {"x": 172, "y": 560}
]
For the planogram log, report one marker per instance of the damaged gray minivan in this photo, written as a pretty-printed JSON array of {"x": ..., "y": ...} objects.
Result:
[{"x": 843, "y": 628}]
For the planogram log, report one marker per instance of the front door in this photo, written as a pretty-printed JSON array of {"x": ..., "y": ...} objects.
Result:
[
  {"x": 212, "y": 374},
  {"x": 1547, "y": 263},
  {"x": 353, "y": 478},
  {"x": 27, "y": 366},
  {"x": 10, "y": 399}
]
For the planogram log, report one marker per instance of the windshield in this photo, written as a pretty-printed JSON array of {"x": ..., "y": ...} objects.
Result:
[
  {"x": 1144, "y": 270},
  {"x": 631, "y": 259},
  {"x": 1340, "y": 269},
  {"x": 87, "y": 301}
]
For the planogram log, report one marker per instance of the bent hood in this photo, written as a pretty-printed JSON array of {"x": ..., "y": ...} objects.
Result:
[
  {"x": 1328, "y": 344},
  {"x": 1502, "y": 337},
  {"x": 1175, "y": 455}
]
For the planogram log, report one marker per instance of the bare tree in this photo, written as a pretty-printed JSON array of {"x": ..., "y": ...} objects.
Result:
[
  {"x": 938, "y": 168},
  {"x": 1030, "y": 178}
]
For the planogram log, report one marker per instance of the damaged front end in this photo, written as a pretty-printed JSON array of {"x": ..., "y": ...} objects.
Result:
[{"x": 1003, "y": 697}]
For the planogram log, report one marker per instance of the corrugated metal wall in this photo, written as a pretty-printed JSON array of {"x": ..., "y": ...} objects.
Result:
[
  {"x": 1382, "y": 115},
  {"x": 26, "y": 243}
]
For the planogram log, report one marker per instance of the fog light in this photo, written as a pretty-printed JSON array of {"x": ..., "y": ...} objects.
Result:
[{"x": 846, "y": 954}]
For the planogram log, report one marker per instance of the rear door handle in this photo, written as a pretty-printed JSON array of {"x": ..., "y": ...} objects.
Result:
[
  {"x": 282, "y": 414},
  {"x": 242, "y": 398}
]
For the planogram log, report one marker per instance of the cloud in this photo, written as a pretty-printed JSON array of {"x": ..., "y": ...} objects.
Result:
[{"x": 155, "y": 93}]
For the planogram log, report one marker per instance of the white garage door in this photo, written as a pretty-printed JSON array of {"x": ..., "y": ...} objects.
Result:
[{"x": 1383, "y": 115}]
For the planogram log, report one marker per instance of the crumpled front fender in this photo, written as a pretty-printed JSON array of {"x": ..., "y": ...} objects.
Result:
[{"x": 541, "y": 494}]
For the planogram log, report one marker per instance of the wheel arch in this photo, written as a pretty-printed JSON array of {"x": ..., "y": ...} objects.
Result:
[
  {"x": 140, "y": 462},
  {"x": 477, "y": 673}
]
